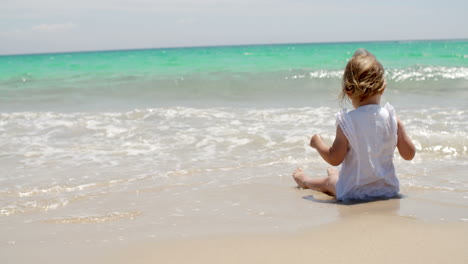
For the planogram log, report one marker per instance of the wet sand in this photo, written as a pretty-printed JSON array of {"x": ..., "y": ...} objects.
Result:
[{"x": 264, "y": 221}]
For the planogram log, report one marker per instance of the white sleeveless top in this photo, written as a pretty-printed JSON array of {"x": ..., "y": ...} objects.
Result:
[{"x": 367, "y": 171}]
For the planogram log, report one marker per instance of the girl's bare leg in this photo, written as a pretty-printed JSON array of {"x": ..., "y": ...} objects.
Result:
[{"x": 325, "y": 184}]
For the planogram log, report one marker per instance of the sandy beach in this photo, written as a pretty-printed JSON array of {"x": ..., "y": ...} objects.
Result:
[
  {"x": 283, "y": 225},
  {"x": 367, "y": 238}
]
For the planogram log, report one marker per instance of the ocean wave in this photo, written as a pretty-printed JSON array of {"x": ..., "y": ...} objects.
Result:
[
  {"x": 421, "y": 73},
  {"x": 297, "y": 88},
  {"x": 56, "y": 158},
  {"x": 109, "y": 138},
  {"x": 414, "y": 73},
  {"x": 428, "y": 73}
]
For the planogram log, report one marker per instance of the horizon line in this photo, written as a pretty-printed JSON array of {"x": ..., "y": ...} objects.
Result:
[{"x": 231, "y": 45}]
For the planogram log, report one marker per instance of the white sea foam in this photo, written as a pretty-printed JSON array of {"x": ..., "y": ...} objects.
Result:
[
  {"x": 52, "y": 159},
  {"x": 428, "y": 73},
  {"x": 421, "y": 73}
]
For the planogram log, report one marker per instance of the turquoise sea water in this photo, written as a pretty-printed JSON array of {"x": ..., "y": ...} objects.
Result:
[
  {"x": 95, "y": 137},
  {"x": 238, "y": 75},
  {"x": 257, "y": 58}
]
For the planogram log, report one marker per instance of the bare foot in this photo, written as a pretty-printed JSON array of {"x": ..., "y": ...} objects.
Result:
[{"x": 299, "y": 177}]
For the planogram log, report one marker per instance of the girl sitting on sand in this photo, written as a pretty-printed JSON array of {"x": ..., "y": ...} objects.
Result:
[{"x": 365, "y": 140}]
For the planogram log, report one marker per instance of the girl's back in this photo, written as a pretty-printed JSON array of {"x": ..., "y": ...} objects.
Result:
[{"x": 368, "y": 171}]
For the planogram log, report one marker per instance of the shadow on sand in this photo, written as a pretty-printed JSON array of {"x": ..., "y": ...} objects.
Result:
[
  {"x": 385, "y": 206},
  {"x": 331, "y": 200}
]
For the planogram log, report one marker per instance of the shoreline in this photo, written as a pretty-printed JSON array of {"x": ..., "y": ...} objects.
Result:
[{"x": 249, "y": 223}]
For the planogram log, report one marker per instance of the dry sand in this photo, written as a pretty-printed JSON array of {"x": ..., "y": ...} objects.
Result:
[{"x": 361, "y": 239}]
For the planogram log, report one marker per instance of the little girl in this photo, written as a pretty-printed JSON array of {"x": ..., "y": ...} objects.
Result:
[{"x": 365, "y": 140}]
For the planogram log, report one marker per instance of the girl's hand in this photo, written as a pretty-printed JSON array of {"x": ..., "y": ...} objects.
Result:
[
  {"x": 314, "y": 141},
  {"x": 404, "y": 144},
  {"x": 335, "y": 154}
]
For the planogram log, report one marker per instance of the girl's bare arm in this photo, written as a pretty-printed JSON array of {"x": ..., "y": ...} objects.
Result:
[
  {"x": 335, "y": 154},
  {"x": 404, "y": 144}
]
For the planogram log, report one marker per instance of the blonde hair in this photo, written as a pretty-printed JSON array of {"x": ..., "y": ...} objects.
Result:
[{"x": 363, "y": 77}]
